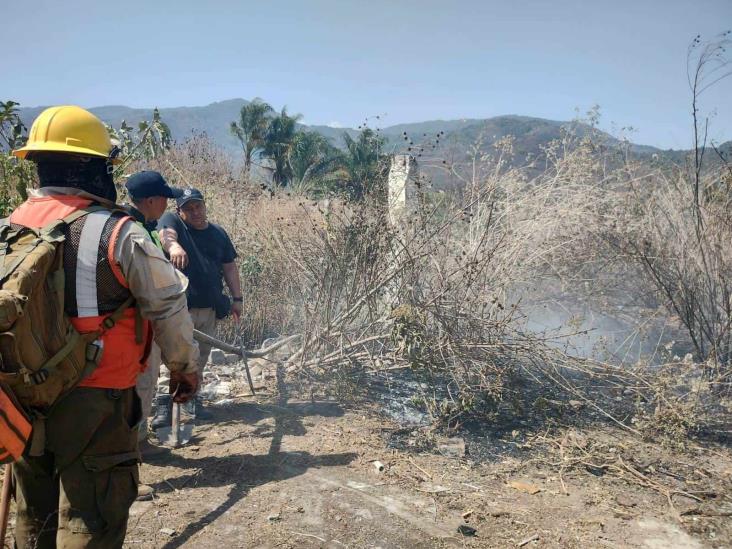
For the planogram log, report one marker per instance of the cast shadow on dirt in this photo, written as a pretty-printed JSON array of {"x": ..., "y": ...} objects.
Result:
[{"x": 246, "y": 471}]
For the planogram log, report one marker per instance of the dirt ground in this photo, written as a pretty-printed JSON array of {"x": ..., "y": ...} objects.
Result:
[
  {"x": 275, "y": 472},
  {"x": 272, "y": 471}
]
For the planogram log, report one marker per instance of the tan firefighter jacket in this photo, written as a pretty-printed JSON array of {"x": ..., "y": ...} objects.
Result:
[{"x": 159, "y": 289}]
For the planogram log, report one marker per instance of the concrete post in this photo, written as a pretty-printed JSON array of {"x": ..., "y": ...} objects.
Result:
[{"x": 403, "y": 188}]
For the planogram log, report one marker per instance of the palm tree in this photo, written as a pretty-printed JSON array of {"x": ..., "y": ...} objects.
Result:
[
  {"x": 251, "y": 128},
  {"x": 362, "y": 162},
  {"x": 313, "y": 162},
  {"x": 12, "y": 129},
  {"x": 278, "y": 141}
]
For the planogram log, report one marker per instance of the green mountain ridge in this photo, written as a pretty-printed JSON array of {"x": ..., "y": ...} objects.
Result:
[{"x": 431, "y": 139}]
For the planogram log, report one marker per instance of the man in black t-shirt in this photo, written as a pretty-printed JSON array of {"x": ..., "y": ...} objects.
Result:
[{"x": 205, "y": 254}]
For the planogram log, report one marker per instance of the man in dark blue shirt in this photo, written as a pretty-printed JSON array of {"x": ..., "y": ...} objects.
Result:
[{"x": 205, "y": 254}]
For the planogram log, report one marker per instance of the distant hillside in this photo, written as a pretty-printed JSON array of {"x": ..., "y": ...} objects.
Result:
[
  {"x": 455, "y": 137},
  {"x": 213, "y": 119}
]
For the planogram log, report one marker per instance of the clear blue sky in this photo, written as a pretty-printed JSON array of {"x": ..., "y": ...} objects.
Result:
[{"x": 339, "y": 61}]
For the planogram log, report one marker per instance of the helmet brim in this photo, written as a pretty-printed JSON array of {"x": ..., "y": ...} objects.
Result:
[{"x": 59, "y": 148}]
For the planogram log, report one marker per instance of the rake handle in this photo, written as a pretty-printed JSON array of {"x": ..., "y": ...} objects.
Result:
[{"x": 5, "y": 502}]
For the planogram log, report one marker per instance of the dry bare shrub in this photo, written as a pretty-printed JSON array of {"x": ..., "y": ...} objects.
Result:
[
  {"x": 455, "y": 280},
  {"x": 278, "y": 243},
  {"x": 685, "y": 254},
  {"x": 447, "y": 294},
  {"x": 680, "y": 402},
  {"x": 439, "y": 294}
]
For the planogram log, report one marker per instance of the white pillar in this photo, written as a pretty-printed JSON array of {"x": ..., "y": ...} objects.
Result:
[{"x": 403, "y": 188}]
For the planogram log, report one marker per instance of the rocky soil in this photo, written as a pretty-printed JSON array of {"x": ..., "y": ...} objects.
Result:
[
  {"x": 277, "y": 471},
  {"x": 274, "y": 471}
]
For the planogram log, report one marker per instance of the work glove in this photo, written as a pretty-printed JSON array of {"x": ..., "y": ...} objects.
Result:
[{"x": 183, "y": 387}]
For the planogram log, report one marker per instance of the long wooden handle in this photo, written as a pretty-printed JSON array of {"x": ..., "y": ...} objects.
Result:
[
  {"x": 241, "y": 351},
  {"x": 175, "y": 424},
  {"x": 205, "y": 338},
  {"x": 5, "y": 502},
  {"x": 249, "y": 376}
]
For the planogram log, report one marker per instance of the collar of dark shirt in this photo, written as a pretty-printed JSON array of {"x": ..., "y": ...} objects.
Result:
[{"x": 150, "y": 226}]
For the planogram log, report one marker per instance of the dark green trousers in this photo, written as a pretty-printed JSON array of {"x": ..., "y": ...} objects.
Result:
[{"x": 78, "y": 494}]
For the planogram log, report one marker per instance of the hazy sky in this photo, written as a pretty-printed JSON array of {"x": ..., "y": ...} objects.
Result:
[{"x": 337, "y": 62}]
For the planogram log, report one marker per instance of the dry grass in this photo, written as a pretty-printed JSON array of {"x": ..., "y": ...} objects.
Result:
[{"x": 447, "y": 293}]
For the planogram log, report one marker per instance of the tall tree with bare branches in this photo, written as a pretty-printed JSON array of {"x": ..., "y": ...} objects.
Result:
[{"x": 707, "y": 63}]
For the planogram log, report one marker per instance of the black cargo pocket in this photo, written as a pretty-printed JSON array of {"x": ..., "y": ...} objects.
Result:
[
  {"x": 84, "y": 523},
  {"x": 116, "y": 490},
  {"x": 134, "y": 414}
]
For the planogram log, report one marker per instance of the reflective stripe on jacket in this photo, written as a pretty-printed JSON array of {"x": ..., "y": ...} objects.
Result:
[{"x": 123, "y": 358}]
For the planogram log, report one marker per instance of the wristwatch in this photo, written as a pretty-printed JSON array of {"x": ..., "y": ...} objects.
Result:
[{"x": 237, "y": 299}]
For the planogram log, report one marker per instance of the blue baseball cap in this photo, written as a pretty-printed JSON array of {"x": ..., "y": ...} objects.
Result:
[{"x": 148, "y": 183}]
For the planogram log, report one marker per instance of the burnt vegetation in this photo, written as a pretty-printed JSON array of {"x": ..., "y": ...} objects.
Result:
[{"x": 448, "y": 294}]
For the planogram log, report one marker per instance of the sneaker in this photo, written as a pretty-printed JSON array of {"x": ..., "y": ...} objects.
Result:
[
  {"x": 144, "y": 492},
  {"x": 189, "y": 410},
  {"x": 163, "y": 416},
  {"x": 194, "y": 409},
  {"x": 202, "y": 413}
]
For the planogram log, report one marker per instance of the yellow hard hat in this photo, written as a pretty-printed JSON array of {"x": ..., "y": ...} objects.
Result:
[{"x": 68, "y": 129}]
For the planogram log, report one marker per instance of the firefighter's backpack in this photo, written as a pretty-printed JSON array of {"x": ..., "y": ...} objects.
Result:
[{"x": 42, "y": 356}]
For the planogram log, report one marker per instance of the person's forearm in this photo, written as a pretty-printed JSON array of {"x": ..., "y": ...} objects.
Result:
[
  {"x": 231, "y": 277},
  {"x": 168, "y": 237},
  {"x": 160, "y": 294}
]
